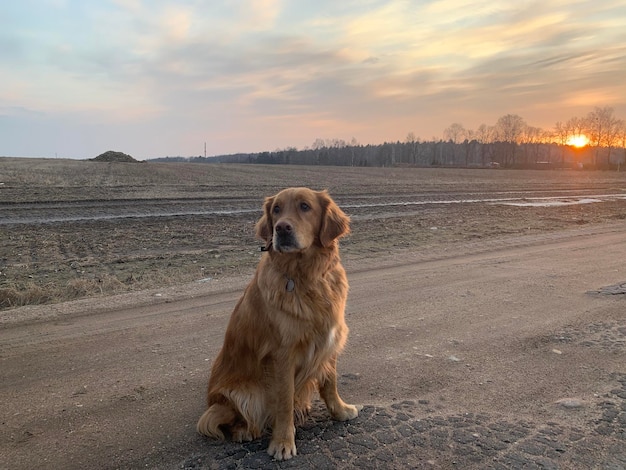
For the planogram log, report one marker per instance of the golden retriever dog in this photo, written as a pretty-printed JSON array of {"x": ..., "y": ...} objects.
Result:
[{"x": 285, "y": 333}]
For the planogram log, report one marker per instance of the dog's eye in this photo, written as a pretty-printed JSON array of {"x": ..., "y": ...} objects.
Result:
[
  {"x": 304, "y": 207},
  {"x": 276, "y": 209}
]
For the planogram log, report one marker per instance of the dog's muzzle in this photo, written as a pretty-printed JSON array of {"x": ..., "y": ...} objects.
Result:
[{"x": 284, "y": 237}]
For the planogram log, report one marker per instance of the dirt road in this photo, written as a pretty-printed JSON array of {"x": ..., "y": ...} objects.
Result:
[{"x": 483, "y": 355}]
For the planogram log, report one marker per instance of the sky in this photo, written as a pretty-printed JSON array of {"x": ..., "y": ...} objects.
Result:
[{"x": 162, "y": 78}]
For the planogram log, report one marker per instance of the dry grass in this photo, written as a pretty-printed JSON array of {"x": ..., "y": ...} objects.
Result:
[
  {"x": 32, "y": 293},
  {"x": 29, "y": 294}
]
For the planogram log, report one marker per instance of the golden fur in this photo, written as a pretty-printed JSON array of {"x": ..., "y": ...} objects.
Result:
[{"x": 285, "y": 333}]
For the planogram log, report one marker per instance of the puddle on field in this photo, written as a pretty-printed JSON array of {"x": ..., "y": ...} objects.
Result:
[
  {"x": 549, "y": 203},
  {"x": 560, "y": 201}
]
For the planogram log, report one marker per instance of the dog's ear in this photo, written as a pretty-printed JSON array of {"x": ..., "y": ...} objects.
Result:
[
  {"x": 264, "y": 227},
  {"x": 335, "y": 223}
]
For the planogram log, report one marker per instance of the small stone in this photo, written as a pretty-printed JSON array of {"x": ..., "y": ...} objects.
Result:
[
  {"x": 570, "y": 403},
  {"x": 556, "y": 351},
  {"x": 454, "y": 359}
]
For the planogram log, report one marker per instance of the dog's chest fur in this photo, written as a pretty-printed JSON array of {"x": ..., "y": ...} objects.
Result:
[
  {"x": 308, "y": 316},
  {"x": 286, "y": 288}
]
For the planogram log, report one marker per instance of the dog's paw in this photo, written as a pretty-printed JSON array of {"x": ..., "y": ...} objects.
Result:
[
  {"x": 241, "y": 435},
  {"x": 347, "y": 412},
  {"x": 282, "y": 449}
]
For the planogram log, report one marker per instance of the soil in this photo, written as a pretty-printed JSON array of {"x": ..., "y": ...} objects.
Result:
[
  {"x": 74, "y": 229},
  {"x": 483, "y": 334}
]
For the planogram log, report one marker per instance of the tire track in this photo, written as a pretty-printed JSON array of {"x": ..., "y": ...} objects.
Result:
[{"x": 56, "y": 212}]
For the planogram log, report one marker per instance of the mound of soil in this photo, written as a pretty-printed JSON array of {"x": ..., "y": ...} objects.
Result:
[{"x": 111, "y": 156}]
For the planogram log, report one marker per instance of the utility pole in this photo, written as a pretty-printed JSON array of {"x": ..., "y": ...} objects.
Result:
[{"x": 205, "y": 150}]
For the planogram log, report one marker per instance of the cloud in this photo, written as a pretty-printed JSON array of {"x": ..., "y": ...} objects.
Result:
[
  {"x": 134, "y": 6},
  {"x": 265, "y": 71},
  {"x": 258, "y": 14},
  {"x": 176, "y": 23}
]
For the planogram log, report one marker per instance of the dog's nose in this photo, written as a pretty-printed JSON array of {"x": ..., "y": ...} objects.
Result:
[{"x": 283, "y": 227}]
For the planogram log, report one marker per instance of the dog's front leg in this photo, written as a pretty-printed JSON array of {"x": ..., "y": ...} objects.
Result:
[
  {"x": 338, "y": 409},
  {"x": 283, "y": 443}
]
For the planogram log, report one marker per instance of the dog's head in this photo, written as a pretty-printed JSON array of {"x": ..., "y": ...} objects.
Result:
[{"x": 296, "y": 219}]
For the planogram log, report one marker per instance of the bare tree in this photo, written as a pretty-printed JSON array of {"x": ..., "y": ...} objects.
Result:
[
  {"x": 353, "y": 145},
  {"x": 509, "y": 130},
  {"x": 532, "y": 138},
  {"x": 456, "y": 133},
  {"x": 413, "y": 145},
  {"x": 576, "y": 127},
  {"x": 621, "y": 143},
  {"x": 485, "y": 136},
  {"x": 561, "y": 135},
  {"x": 611, "y": 136},
  {"x": 469, "y": 144},
  {"x": 603, "y": 128},
  {"x": 318, "y": 144},
  {"x": 511, "y": 141}
]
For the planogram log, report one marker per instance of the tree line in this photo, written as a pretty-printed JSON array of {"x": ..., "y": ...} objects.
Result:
[{"x": 600, "y": 139}]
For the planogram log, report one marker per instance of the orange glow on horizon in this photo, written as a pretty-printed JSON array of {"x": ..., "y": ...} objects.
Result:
[{"x": 579, "y": 140}]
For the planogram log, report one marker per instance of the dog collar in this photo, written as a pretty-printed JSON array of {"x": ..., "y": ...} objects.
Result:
[{"x": 291, "y": 284}]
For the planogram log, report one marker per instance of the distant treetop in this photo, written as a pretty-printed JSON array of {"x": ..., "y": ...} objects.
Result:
[{"x": 111, "y": 156}]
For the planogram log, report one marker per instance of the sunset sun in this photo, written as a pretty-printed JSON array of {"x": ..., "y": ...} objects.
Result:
[{"x": 579, "y": 140}]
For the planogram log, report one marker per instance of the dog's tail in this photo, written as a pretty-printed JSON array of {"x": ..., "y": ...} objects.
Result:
[{"x": 216, "y": 416}]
